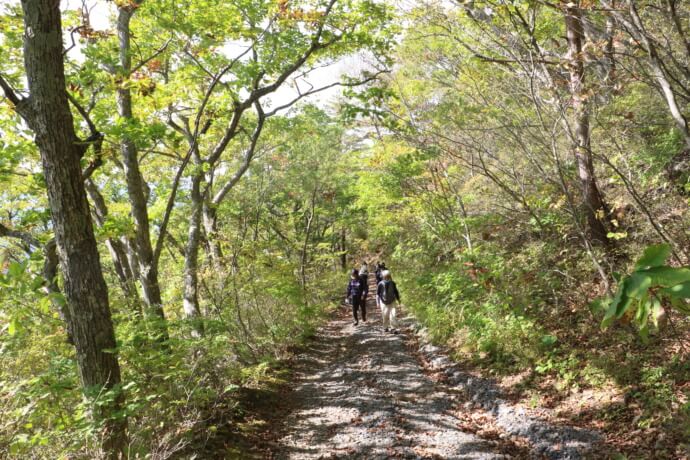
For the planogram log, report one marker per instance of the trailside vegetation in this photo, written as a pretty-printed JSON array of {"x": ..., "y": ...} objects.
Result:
[
  {"x": 529, "y": 181},
  {"x": 180, "y": 206}
]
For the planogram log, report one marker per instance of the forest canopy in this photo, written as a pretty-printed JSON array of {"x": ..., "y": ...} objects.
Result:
[{"x": 185, "y": 185}]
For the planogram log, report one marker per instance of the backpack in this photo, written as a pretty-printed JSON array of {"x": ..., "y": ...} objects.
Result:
[
  {"x": 363, "y": 279},
  {"x": 388, "y": 294}
]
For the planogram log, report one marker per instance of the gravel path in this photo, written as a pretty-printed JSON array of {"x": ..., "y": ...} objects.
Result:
[
  {"x": 546, "y": 440},
  {"x": 361, "y": 394}
]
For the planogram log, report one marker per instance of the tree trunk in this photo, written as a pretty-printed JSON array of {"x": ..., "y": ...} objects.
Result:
[
  {"x": 129, "y": 245},
  {"x": 115, "y": 246},
  {"x": 592, "y": 201},
  {"x": 148, "y": 269},
  {"x": 191, "y": 281},
  {"x": 656, "y": 64},
  {"x": 48, "y": 114},
  {"x": 210, "y": 220},
  {"x": 343, "y": 248},
  {"x": 634, "y": 26},
  {"x": 50, "y": 273},
  {"x": 305, "y": 245}
]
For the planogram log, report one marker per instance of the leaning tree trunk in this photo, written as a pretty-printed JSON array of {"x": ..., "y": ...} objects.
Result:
[
  {"x": 657, "y": 66},
  {"x": 148, "y": 268},
  {"x": 592, "y": 201},
  {"x": 47, "y": 113}
]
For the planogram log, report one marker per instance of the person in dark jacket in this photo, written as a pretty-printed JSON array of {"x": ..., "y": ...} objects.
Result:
[
  {"x": 388, "y": 295},
  {"x": 364, "y": 278},
  {"x": 380, "y": 267},
  {"x": 356, "y": 293}
]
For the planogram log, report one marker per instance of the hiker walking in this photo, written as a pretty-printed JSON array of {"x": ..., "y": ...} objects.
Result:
[
  {"x": 355, "y": 294},
  {"x": 388, "y": 295},
  {"x": 380, "y": 267},
  {"x": 364, "y": 278}
]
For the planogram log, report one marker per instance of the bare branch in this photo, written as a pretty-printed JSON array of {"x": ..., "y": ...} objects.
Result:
[
  {"x": 84, "y": 114},
  {"x": 25, "y": 237},
  {"x": 323, "y": 88},
  {"x": 156, "y": 53}
]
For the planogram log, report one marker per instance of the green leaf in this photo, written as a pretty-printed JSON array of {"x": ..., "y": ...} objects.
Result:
[
  {"x": 680, "y": 305},
  {"x": 15, "y": 269},
  {"x": 642, "y": 315},
  {"x": 637, "y": 284},
  {"x": 622, "y": 301},
  {"x": 549, "y": 340},
  {"x": 679, "y": 291},
  {"x": 613, "y": 306},
  {"x": 656, "y": 311},
  {"x": 623, "y": 306},
  {"x": 644, "y": 333},
  {"x": 654, "y": 256},
  {"x": 37, "y": 283},
  {"x": 44, "y": 305},
  {"x": 667, "y": 276},
  {"x": 598, "y": 306},
  {"x": 617, "y": 235},
  {"x": 231, "y": 388}
]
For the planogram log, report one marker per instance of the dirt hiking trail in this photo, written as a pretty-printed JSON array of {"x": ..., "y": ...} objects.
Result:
[{"x": 361, "y": 393}]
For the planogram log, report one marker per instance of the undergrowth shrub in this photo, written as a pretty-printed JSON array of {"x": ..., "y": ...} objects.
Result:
[
  {"x": 170, "y": 392},
  {"x": 463, "y": 303}
]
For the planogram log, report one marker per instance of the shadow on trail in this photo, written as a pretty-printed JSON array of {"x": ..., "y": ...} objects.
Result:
[{"x": 360, "y": 394}]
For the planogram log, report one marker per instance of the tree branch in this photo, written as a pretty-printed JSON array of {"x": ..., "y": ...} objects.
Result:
[
  {"x": 10, "y": 94},
  {"x": 323, "y": 88},
  {"x": 157, "y": 53},
  {"x": 26, "y": 237},
  {"x": 248, "y": 155},
  {"x": 169, "y": 207}
]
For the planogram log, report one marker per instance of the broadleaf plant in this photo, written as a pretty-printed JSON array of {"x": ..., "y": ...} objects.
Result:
[{"x": 642, "y": 293}]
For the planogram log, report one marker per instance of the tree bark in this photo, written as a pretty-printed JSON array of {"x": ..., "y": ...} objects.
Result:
[
  {"x": 148, "y": 269},
  {"x": 210, "y": 220},
  {"x": 343, "y": 248},
  {"x": 592, "y": 200},
  {"x": 50, "y": 273},
  {"x": 191, "y": 281},
  {"x": 47, "y": 113}
]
